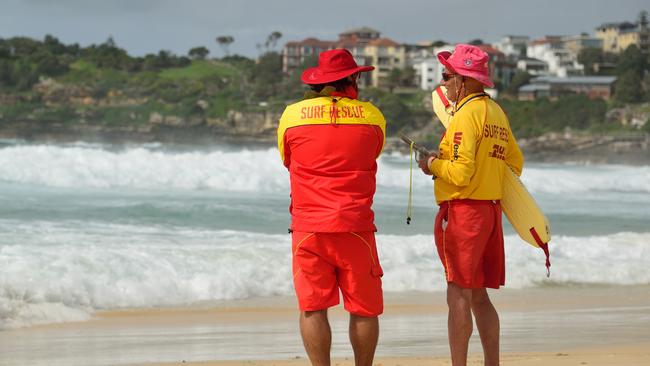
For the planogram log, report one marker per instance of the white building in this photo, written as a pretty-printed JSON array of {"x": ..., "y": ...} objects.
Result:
[
  {"x": 428, "y": 70},
  {"x": 533, "y": 66},
  {"x": 561, "y": 62},
  {"x": 425, "y": 73},
  {"x": 513, "y": 46}
]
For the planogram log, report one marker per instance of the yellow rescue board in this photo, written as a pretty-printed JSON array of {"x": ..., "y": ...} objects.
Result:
[{"x": 520, "y": 208}]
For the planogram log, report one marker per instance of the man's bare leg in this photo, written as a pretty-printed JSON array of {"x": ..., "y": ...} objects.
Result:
[
  {"x": 316, "y": 336},
  {"x": 459, "y": 322},
  {"x": 364, "y": 333},
  {"x": 487, "y": 323}
]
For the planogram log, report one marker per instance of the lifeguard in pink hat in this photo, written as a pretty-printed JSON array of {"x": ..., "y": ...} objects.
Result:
[{"x": 469, "y": 166}]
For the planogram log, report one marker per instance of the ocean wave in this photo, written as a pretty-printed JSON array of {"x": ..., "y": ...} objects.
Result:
[
  {"x": 84, "y": 166},
  {"x": 153, "y": 167},
  {"x": 569, "y": 179},
  {"x": 55, "y": 272}
]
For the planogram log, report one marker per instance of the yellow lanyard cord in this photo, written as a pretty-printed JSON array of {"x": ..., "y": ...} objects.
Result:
[{"x": 409, "y": 206}]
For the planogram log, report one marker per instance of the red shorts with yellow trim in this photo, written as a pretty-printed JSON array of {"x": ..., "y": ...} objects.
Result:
[
  {"x": 323, "y": 263},
  {"x": 469, "y": 239}
]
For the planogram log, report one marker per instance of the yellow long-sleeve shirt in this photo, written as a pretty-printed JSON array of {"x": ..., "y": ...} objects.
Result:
[{"x": 474, "y": 152}]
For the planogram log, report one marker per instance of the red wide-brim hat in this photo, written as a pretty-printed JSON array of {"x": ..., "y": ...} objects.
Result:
[{"x": 333, "y": 65}]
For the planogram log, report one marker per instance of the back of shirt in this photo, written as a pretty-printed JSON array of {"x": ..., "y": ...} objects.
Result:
[
  {"x": 332, "y": 163},
  {"x": 475, "y": 151}
]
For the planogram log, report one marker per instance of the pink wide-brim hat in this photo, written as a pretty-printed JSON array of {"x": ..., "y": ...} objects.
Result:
[{"x": 469, "y": 61}]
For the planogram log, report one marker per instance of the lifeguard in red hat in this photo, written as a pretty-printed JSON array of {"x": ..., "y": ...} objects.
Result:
[
  {"x": 330, "y": 142},
  {"x": 476, "y": 149}
]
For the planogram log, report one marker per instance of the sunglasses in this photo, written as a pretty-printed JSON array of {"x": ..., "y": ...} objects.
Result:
[{"x": 446, "y": 76}]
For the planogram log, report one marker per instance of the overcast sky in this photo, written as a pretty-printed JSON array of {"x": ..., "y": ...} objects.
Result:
[{"x": 147, "y": 26}]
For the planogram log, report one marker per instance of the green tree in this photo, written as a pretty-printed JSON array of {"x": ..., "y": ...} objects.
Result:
[
  {"x": 646, "y": 126},
  {"x": 394, "y": 79},
  {"x": 632, "y": 59},
  {"x": 542, "y": 115},
  {"x": 630, "y": 71},
  {"x": 642, "y": 20},
  {"x": 267, "y": 75},
  {"x": 293, "y": 84},
  {"x": 5, "y": 52},
  {"x": 198, "y": 53},
  {"x": 53, "y": 45},
  {"x": 5, "y": 73},
  {"x": 520, "y": 79},
  {"x": 272, "y": 40},
  {"x": 48, "y": 64},
  {"x": 224, "y": 42},
  {"x": 628, "y": 88},
  {"x": 401, "y": 78},
  {"x": 22, "y": 46},
  {"x": 589, "y": 57},
  {"x": 24, "y": 74},
  {"x": 107, "y": 55},
  {"x": 397, "y": 113},
  {"x": 408, "y": 77}
]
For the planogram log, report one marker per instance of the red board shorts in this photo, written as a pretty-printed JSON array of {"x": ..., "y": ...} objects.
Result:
[
  {"x": 469, "y": 239},
  {"x": 323, "y": 263}
]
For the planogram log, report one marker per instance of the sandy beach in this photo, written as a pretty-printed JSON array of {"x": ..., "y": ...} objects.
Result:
[
  {"x": 629, "y": 356},
  {"x": 545, "y": 326}
]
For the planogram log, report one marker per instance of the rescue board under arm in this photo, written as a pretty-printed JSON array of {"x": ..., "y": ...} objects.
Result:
[{"x": 518, "y": 205}]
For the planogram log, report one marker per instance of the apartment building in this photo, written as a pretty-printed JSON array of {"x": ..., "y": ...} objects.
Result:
[
  {"x": 385, "y": 55},
  {"x": 616, "y": 37},
  {"x": 513, "y": 47},
  {"x": 294, "y": 54},
  {"x": 502, "y": 68},
  {"x": 366, "y": 45},
  {"x": 575, "y": 44},
  {"x": 428, "y": 70},
  {"x": 533, "y": 66},
  {"x": 550, "y": 49}
]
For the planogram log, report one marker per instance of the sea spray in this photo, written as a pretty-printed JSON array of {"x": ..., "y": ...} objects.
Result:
[
  {"x": 261, "y": 170},
  {"x": 90, "y": 227},
  {"x": 68, "y": 274}
]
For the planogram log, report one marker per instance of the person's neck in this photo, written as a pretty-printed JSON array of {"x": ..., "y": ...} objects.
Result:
[
  {"x": 462, "y": 98},
  {"x": 470, "y": 91}
]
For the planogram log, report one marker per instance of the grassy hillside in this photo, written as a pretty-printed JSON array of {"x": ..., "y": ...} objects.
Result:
[{"x": 52, "y": 83}]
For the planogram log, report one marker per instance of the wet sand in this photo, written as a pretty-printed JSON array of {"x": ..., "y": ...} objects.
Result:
[{"x": 544, "y": 326}]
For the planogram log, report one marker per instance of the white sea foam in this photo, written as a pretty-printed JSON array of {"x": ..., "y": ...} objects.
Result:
[
  {"x": 580, "y": 179},
  {"x": 142, "y": 168},
  {"x": 54, "y": 272},
  {"x": 147, "y": 167}
]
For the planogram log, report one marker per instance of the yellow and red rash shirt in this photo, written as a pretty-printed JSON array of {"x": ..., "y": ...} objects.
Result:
[
  {"x": 330, "y": 146},
  {"x": 476, "y": 148}
]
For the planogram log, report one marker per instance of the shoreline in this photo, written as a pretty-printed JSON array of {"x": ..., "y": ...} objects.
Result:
[{"x": 541, "y": 322}]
